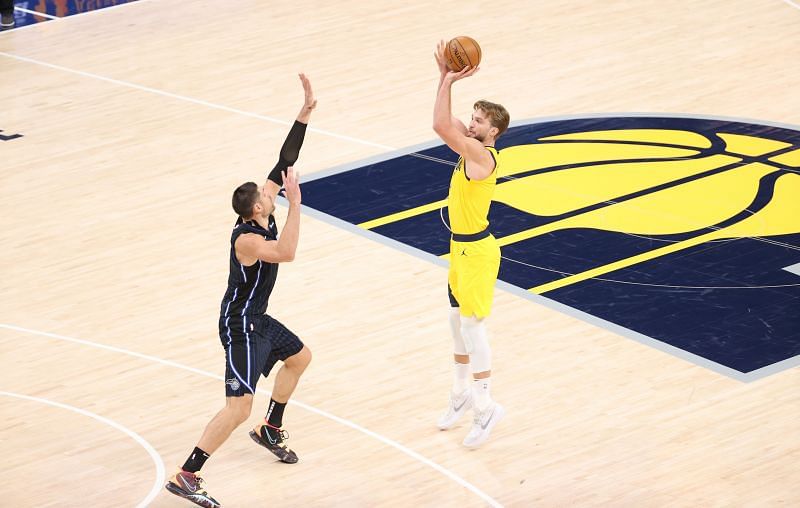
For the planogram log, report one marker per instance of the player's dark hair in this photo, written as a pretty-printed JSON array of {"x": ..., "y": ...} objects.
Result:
[{"x": 244, "y": 198}]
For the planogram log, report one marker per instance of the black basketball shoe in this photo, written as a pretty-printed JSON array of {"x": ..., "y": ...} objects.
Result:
[
  {"x": 273, "y": 438},
  {"x": 192, "y": 487}
]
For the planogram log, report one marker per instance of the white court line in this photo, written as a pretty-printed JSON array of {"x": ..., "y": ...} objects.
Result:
[
  {"x": 394, "y": 444},
  {"x": 68, "y": 16},
  {"x": 51, "y": 17},
  {"x": 36, "y": 13},
  {"x": 168, "y": 94},
  {"x": 191, "y": 100},
  {"x": 160, "y": 475},
  {"x": 105, "y": 9}
]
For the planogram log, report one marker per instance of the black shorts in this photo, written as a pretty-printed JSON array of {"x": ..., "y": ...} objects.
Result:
[{"x": 252, "y": 346}]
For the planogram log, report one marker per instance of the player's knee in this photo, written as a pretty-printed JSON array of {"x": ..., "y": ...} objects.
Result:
[
  {"x": 474, "y": 332},
  {"x": 243, "y": 414},
  {"x": 459, "y": 347},
  {"x": 305, "y": 357},
  {"x": 240, "y": 408},
  {"x": 299, "y": 361}
]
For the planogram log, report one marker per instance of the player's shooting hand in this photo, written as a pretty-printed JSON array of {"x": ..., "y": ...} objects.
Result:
[
  {"x": 441, "y": 61},
  {"x": 291, "y": 184},
  {"x": 463, "y": 73},
  {"x": 447, "y": 74}
]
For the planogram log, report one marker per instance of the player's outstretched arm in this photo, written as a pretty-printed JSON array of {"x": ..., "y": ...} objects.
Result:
[
  {"x": 441, "y": 62},
  {"x": 290, "y": 151},
  {"x": 455, "y": 136}
]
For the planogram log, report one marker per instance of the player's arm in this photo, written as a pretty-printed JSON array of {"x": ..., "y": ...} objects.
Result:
[
  {"x": 251, "y": 247},
  {"x": 478, "y": 162},
  {"x": 290, "y": 150},
  {"x": 455, "y": 137},
  {"x": 441, "y": 62}
]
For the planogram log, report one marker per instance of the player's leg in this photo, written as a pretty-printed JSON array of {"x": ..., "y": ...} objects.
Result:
[
  {"x": 289, "y": 374},
  {"x": 486, "y": 412},
  {"x": 236, "y": 412},
  {"x": 288, "y": 348},
  {"x": 460, "y": 399},
  {"x": 242, "y": 355},
  {"x": 479, "y": 274},
  {"x": 187, "y": 483}
]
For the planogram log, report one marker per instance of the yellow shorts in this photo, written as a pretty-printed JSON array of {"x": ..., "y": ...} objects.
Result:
[{"x": 473, "y": 273}]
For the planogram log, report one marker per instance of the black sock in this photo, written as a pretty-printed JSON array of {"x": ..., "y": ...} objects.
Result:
[
  {"x": 275, "y": 413},
  {"x": 196, "y": 460}
]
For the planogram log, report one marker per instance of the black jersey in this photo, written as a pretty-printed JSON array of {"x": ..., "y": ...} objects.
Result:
[{"x": 249, "y": 287}]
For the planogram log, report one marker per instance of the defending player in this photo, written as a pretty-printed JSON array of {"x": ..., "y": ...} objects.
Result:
[{"x": 253, "y": 340}]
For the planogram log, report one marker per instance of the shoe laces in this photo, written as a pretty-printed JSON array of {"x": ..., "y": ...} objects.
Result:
[
  {"x": 280, "y": 434},
  {"x": 196, "y": 481},
  {"x": 455, "y": 397},
  {"x": 480, "y": 417}
]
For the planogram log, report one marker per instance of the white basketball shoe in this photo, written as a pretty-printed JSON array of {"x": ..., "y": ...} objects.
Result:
[
  {"x": 482, "y": 425},
  {"x": 457, "y": 406}
]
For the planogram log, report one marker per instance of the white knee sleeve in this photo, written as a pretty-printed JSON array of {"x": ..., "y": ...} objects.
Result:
[
  {"x": 476, "y": 341},
  {"x": 455, "y": 330}
]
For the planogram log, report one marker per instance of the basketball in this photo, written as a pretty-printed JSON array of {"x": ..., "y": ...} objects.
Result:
[{"x": 461, "y": 52}]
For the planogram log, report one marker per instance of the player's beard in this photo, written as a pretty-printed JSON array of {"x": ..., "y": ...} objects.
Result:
[{"x": 268, "y": 211}]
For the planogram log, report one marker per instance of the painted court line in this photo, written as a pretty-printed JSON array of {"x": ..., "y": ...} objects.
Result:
[
  {"x": 793, "y": 4},
  {"x": 321, "y": 131},
  {"x": 50, "y": 16},
  {"x": 35, "y": 13},
  {"x": 394, "y": 444},
  {"x": 160, "y": 475},
  {"x": 191, "y": 100},
  {"x": 795, "y": 268},
  {"x": 746, "y": 377},
  {"x": 56, "y": 18},
  {"x": 560, "y": 307}
]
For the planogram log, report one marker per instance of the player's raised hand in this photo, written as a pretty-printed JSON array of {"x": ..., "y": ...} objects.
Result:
[
  {"x": 463, "y": 73},
  {"x": 310, "y": 101},
  {"x": 441, "y": 60},
  {"x": 291, "y": 183}
]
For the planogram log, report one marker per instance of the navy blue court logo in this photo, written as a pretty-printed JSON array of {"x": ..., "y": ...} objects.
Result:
[{"x": 683, "y": 230}]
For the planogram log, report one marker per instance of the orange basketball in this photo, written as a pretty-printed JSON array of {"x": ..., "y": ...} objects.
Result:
[{"x": 461, "y": 52}]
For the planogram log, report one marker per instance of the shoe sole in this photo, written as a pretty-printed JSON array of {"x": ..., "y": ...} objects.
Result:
[
  {"x": 175, "y": 489},
  {"x": 286, "y": 459},
  {"x": 451, "y": 425},
  {"x": 500, "y": 411}
]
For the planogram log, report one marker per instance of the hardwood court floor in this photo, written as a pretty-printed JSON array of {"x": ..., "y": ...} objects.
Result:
[{"x": 138, "y": 122}]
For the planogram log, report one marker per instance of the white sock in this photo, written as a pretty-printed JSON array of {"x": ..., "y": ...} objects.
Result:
[
  {"x": 462, "y": 373},
  {"x": 481, "y": 393}
]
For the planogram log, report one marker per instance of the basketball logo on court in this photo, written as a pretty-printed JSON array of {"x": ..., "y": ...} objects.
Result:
[{"x": 681, "y": 230}]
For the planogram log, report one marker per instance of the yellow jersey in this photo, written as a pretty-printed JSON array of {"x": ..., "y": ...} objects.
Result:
[{"x": 468, "y": 200}]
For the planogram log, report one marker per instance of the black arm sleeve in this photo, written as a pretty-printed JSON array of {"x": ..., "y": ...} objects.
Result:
[{"x": 290, "y": 151}]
